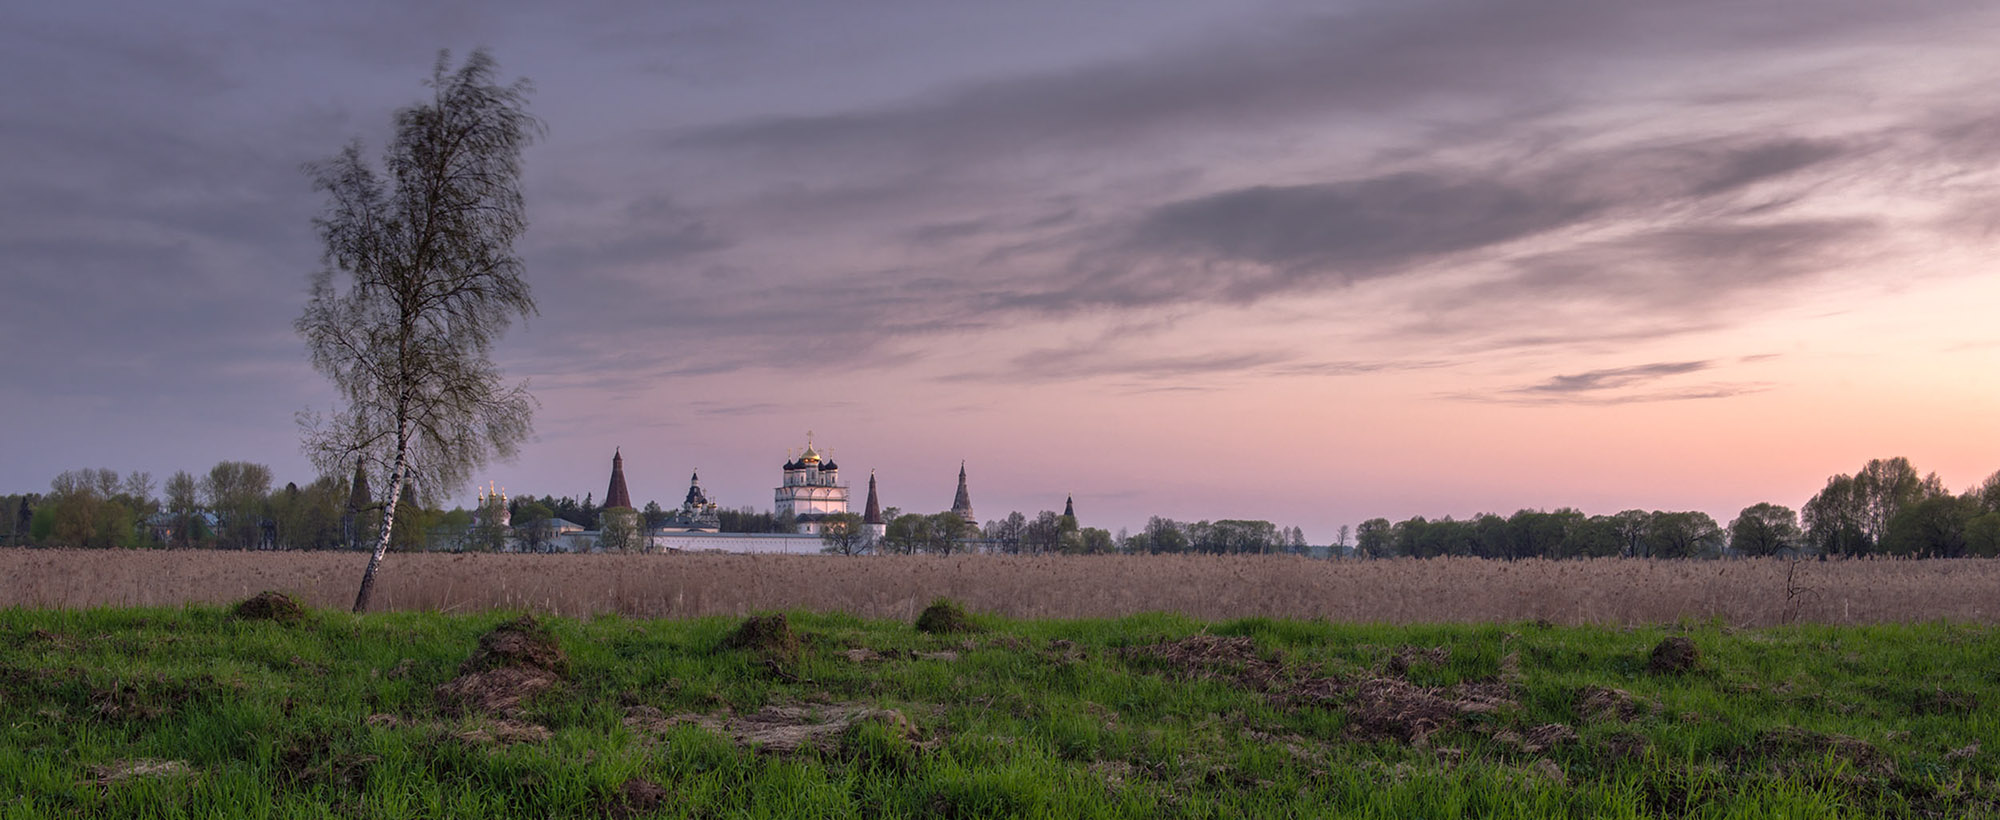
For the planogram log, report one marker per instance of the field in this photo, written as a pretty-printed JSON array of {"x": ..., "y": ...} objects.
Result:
[
  {"x": 1744, "y": 593},
  {"x": 264, "y": 712}
]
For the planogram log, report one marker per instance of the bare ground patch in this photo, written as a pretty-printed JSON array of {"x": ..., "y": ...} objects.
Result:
[
  {"x": 1380, "y": 707},
  {"x": 122, "y": 770},
  {"x": 778, "y": 729}
]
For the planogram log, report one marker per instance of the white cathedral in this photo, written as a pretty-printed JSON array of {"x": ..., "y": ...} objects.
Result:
[{"x": 811, "y": 491}]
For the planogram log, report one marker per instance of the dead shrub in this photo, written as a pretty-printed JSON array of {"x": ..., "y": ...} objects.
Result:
[
  {"x": 269, "y": 606},
  {"x": 945, "y": 616},
  {"x": 1673, "y": 656}
]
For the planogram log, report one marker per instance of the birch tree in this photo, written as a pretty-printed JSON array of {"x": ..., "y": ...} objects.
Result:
[{"x": 418, "y": 280}]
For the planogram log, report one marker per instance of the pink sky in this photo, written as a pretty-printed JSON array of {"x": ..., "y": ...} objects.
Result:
[{"x": 1311, "y": 263}]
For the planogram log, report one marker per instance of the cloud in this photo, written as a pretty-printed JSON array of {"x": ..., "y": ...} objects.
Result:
[
  {"x": 1613, "y": 378},
  {"x": 1366, "y": 61},
  {"x": 1348, "y": 230},
  {"x": 1617, "y": 385}
]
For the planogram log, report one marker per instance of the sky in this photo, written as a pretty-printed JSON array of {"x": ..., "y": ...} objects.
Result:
[{"x": 1307, "y": 262}]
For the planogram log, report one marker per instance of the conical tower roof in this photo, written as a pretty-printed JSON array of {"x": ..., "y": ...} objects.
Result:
[
  {"x": 1069, "y": 507},
  {"x": 616, "y": 496},
  {"x": 962, "y": 504},
  {"x": 358, "y": 499},
  {"x": 872, "y": 514}
]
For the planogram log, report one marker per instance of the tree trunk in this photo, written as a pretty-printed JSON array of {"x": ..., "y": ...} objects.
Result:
[{"x": 388, "y": 528}]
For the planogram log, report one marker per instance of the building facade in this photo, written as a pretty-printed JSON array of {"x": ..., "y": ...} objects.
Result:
[{"x": 811, "y": 491}]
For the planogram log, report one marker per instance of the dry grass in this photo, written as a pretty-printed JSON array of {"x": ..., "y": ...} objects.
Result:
[{"x": 1743, "y": 593}]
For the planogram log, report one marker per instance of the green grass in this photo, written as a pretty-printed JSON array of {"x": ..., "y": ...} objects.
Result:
[{"x": 254, "y": 719}]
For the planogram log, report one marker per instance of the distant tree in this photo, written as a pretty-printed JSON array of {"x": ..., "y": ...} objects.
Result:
[
  {"x": 1375, "y": 538},
  {"x": 843, "y": 534},
  {"x": 1987, "y": 494},
  {"x": 1935, "y": 527},
  {"x": 533, "y": 521},
  {"x": 653, "y": 516},
  {"x": 946, "y": 533},
  {"x": 1598, "y": 536},
  {"x": 1887, "y": 487},
  {"x": 1006, "y": 533},
  {"x": 906, "y": 534},
  {"x": 432, "y": 282},
  {"x": 1982, "y": 535},
  {"x": 1408, "y": 537},
  {"x": 238, "y": 492},
  {"x": 618, "y": 530},
  {"x": 1851, "y": 516},
  {"x": 411, "y": 529},
  {"x": 1096, "y": 541},
  {"x": 1764, "y": 529},
  {"x": 1683, "y": 534},
  {"x": 1834, "y": 518},
  {"x": 1630, "y": 525},
  {"x": 1044, "y": 534},
  {"x": 1165, "y": 535},
  {"x": 1339, "y": 541}
]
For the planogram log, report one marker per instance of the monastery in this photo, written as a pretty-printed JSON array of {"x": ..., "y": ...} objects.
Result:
[{"x": 808, "y": 493}]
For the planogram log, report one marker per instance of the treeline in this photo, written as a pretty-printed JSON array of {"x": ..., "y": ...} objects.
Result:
[
  {"x": 232, "y": 506},
  {"x": 1887, "y": 508},
  {"x": 235, "y": 506},
  {"x": 1050, "y": 532}
]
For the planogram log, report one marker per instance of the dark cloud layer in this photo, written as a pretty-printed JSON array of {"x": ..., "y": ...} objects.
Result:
[{"x": 1514, "y": 173}]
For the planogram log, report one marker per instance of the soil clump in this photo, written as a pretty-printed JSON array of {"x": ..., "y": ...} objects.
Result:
[
  {"x": 1673, "y": 656},
  {"x": 945, "y": 616},
  {"x": 769, "y": 634},
  {"x": 269, "y": 606}
]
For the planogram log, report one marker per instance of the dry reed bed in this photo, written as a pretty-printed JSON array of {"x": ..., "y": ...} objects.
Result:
[{"x": 1740, "y": 592}]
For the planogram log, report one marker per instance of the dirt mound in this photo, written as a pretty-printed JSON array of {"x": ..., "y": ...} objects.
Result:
[
  {"x": 1601, "y": 703},
  {"x": 1674, "y": 656},
  {"x": 1794, "y": 742},
  {"x": 1408, "y": 656},
  {"x": 769, "y": 634},
  {"x": 634, "y": 798},
  {"x": 523, "y": 643},
  {"x": 516, "y": 661},
  {"x": 945, "y": 616},
  {"x": 269, "y": 606},
  {"x": 1393, "y": 708},
  {"x": 1212, "y": 656}
]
